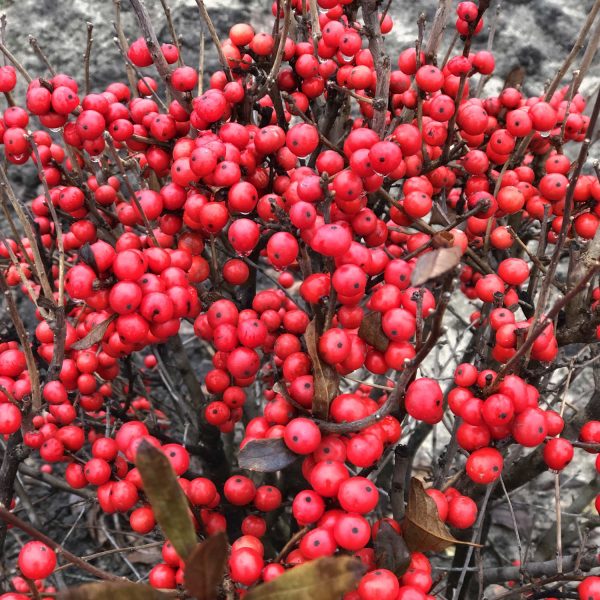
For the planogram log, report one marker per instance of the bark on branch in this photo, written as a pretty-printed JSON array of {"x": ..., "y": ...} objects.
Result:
[{"x": 382, "y": 64}]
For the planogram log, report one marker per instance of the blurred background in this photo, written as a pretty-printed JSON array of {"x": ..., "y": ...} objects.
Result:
[{"x": 535, "y": 34}]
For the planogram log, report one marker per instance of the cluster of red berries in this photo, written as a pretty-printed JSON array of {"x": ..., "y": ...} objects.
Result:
[{"x": 282, "y": 196}]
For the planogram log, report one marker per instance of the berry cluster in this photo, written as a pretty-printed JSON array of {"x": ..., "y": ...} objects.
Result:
[{"x": 285, "y": 216}]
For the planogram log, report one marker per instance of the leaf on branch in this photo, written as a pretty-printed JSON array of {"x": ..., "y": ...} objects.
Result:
[
  {"x": 326, "y": 379},
  {"x": 95, "y": 335},
  {"x": 266, "y": 456},
  {"x": 391, "y": 551},
  {"x": 205, "y": 566},
  {"x": 326, "y": 578},
  {"x": 370, "y": 331},
  {"x": 434, "y": 264},
  {"x": 87, "y": 255},
  {"x": 112, "y": 591},
  {"x": 423, "y": 530},
  {"x": 166, "y": 498}
]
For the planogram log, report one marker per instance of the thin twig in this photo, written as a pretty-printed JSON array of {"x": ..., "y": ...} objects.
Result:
[
  {"x": 436, "y": 33},
  {"x": 215, "y": 38},
  {"x": 201, "y": 65},
  {"x": 171, "y": 26},
  {"x": 122, "y": 43},
  {"x": 9, "y": 517},
  {"x": 382, "y": 64},
  {"x": 86, "y": 56},
  {"x": 474, "y": 538},
  {"x": 158, "y": 58},
  {"x": 15, "y": 62}
]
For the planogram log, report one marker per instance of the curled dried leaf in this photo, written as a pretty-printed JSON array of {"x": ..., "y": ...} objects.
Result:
[
  {"x": 434, "y": 264},
  {"x": 266, "y": 456},
  {"x": 326, "y": 379},
  {"x": 95, "y": 335},
  {"x": 423, "y": 530}
]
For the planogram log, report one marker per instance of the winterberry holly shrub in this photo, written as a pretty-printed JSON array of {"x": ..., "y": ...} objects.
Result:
[{"x": 302, "y": 324}]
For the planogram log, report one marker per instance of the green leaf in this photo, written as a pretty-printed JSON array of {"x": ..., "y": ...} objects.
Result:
[
  {"x": 266, "y": 456},
  {"x": 166, "y": 498},
  {"x": 205, "y": 566},
  {"x": 112, "y": 591},
  {"x": 326, "y": 578}
]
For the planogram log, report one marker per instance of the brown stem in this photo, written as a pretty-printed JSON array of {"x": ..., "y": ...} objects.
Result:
[
  {"x": 382, "y": 64},
  {"x": 122, "y": 43},
  {"x": 21, "y": 211},
  {"x": 57, "y": 226},
  {"x": 538, "y": 569},
  {"x": 201, "y": 65},
  {"x": 160, "y": 62},
  {"x": 292, "y": 542},
  {"x": 25, "y": 344},
  {"x": 171, "y": 26},
  {"x": 588, "y": 56},
  {"x": 215, "y": 38},
  {"x": 399, "y": 477},
  {"x": 577, "y": 46},
  {"x": 13, "y": 456},
  {"x": 117, "y": 159},
  {"x": 134, "y": 70},
  {"x": 86, "y": 57},
  {"x": 436, "y": 34},
  {"x": 483, "y": 5},
  {"x": 40, "y": 54},
  {"x": 274, "y": 71}
]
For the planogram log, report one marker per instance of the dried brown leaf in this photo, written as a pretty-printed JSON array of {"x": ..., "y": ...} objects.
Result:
[
  {"x": 324, "y": 578},
  {"x": 391, "y": 551},
  {"x": 112, "y": 591},
  {"x": 205, "y": 567},
  {"x": 423, "y": 530},
  {"x": 94, "y": 336},
  {"x": 442, "y": 239},
  {"x": 370, "y": 331},
  {"x": 266, "y": 456},
  {"x": 326, "y": 379},
  {"x": 166, "y": 498},
  {"x": 435, "y": 264}
]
